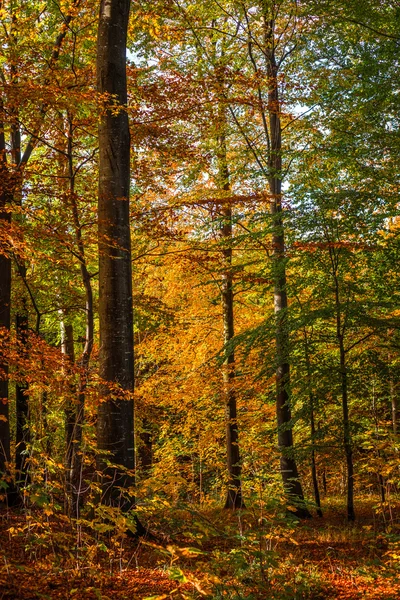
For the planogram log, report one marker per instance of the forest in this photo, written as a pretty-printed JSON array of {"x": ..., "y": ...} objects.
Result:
[{"x": 199, "y": 299}]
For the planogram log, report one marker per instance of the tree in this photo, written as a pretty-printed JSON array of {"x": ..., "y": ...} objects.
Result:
[
  {"x": 347, "y": 198},
  {"x": 259, "y": 40},
  {"x": 11, "y": 189},
  {"x": 234, "y": 495},
  {"x": 115, "y": 427}
]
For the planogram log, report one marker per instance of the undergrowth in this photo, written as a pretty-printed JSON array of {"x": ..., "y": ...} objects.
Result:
[{"x": 259, "y": 553}]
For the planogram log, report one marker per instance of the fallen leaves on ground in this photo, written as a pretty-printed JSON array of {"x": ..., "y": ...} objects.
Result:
[{"x": 322, "y": 559}]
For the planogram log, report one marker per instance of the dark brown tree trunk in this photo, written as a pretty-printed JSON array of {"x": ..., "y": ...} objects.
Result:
[
  {"x": 5, "y": 298},
  {"x": 22, "y": 408},
  {"x": 289, "y": 472},
  {"x": 324, "y": 481},
  {"x": 115, "y": 432},
  {"x": 313, "y": 461},
  {"x": 393, "y": 403},
  {"x": 21, "y": 388},
  {"x": 9, "y": 178},
  {"x": 5, "y": 301},
  {"x": 346, "y": 433},
  {"x": 46, "y": 434},
  {"x": 347, "y": 442},
  {"x": 234, "y": 495},
  {"x": 312, "y": 426},
  {"x": 71, "y": 433}
]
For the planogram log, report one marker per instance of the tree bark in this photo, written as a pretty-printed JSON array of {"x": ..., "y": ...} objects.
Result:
[
  {"x": 74, "y": 444},
  {"x": 393, "y": 403},
  {"x": 289, "y": 472},
  {"x": 324, "y": 481},
  {"x": 21, "y": 388},
  {"x": 5, "y": 301},
  {"x": 347, "y": 442},
  {"x": 115, "y": 426},
  {"x": 312, "y": 425},
  {"x": 10, "y": 179},
  {"x": 22, "y": 408},
  {"x": 72, "y": 418},
  {"x": 347, "y": 434},
  {"x": 234, "y": 498},
  {"x": 313, "y": 461}
]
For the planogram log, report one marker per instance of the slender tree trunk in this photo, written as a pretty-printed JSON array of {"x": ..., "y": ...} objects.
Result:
[
  {"x": 234, "y": 495},
  {"x": 313, "y": 461},
  {"x": 324, "y": 481},
  {"x": 10, "y": 180},
  {"x": 22, "y": 408},
  {"x": 75, "y": 464},
  {"x": 68, "y": 350},
  {"x": 346, "y": 433},
  {"x": 393, "y": 403},
  {"x": 347, "y": 442},
  {"x": 312, "y": 426},
  {"x": 45, "y": 434},
  {"x": 21, "y": 388},
  {"x": 115, "y": 429},
  {"x": 5, "y": 301},
  {"x": 289, "y": 472}
]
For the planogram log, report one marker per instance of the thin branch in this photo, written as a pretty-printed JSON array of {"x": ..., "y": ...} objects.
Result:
[
  {"x": 377, "y": 31},
  {"x": 360, "y": 341},
  {"x": 248, "y": 142}
]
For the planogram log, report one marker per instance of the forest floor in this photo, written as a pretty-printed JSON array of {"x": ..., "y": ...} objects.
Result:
[{"x": 205, "y": 553}]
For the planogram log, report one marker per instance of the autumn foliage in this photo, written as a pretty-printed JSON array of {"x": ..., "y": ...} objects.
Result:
[{"x": 199, "y": 300}]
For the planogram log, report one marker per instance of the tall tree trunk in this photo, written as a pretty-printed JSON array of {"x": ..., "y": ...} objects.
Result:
[
  {"x": 312, "y": 427},
  {"x": 75, "y": 457},
  {"x": 313, "y": 461},
  {"x": 393, "y": 402},
  {"x": 347, "y": 442},
  {"x": 21, "y": 388},
  {"x": 71, "y": 443},
  {"x": 234, "y": 495},
  {"x": 348, "y": 450},
  {"x": 5, "y": 302},
  {"x": 115, "y": 427},
  {"x": 5, "y": 299},
  {"x": 22, "y": 407},
  {"x": 10, "y": 179},
  {"x": 289, "y": 472},
  {"x": 324, "y": 481}
]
